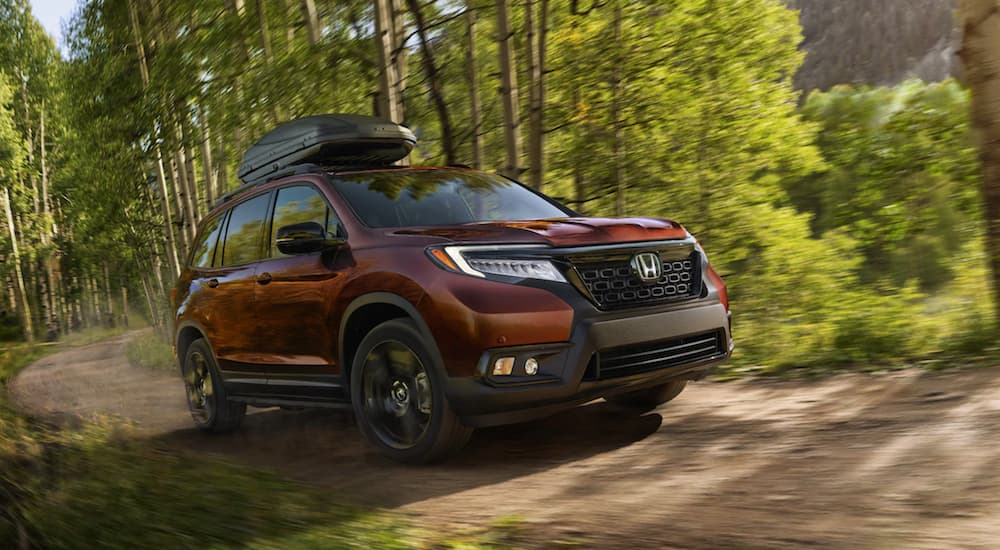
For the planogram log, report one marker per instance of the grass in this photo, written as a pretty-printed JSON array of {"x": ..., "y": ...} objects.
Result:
[
  {"x": 97, "y": 487},
  {"x": 148, "y": 351}
]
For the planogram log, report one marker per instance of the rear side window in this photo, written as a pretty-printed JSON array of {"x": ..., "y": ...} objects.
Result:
[
  {"x": 299, "y": 204},
  {"x": 246, "y": 224},
  {"x": 204, "y": 251}
]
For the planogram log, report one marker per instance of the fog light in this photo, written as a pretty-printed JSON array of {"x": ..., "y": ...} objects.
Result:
[
  {"x": 503, "y": 366},
  {"x": 531, "y": 366}
]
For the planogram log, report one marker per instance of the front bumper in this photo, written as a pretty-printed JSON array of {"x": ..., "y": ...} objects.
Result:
[{"x": 567, "y": 373}]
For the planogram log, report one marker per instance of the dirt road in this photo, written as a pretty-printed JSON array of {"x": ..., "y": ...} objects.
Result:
[{"x": 909, "y": 459}]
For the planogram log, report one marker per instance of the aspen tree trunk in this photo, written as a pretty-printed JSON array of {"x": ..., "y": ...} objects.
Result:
[
  {"x": 25, "y": 308},
  {"x": 46, "y": 211},
  {"x": 980, "y": 56},
  {"x": 579, "y": 183},
  {"x": 31, "y": 146},
  {"x": 65, "y": 307},
  {"x": 168, "y": 221},
  {"x": 390, "y": 103},
  {"x": 207, "y": 171},
  {"x": 400, "y": 54},
  {"x": 237, "y": 8},
  {"x": 435, "y": 84},
  {"x": 49, "y": 299},
  {"x": 265, "y": 33},
  {"x": 11, "y": 293},
  {"x": 312, "y": 21},
  {"x": 124, "y": 316},
  {"x": 619, "y": 128},
  {"x": 535, "y": 57},
  {"x": 107, "y": 293},
  {"x": 185, "y": 187},
  {"x": 154, "y": 315},
  {"x": 57, "y": 276},
  {"x": 178, "y": 201},
  {"x": 78, "y": 321},
  {"x": 95, "y": 300},
  {"x": 508, "y": 91},
  {"x": 473, "y": 83},
  {"x": 222, "y": 168},
  {"x": 265, "y": 43},
  {"x": 158, "y": 272},
  {"x": 45, "y": 304},
  {"x": 286, "y": 7},
  {"x": 160, "y": 176},
  {"x": 190, "y": 172}
]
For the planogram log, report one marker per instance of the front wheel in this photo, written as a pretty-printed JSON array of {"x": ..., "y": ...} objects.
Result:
[
  {"x": 649, "y": 398},
  {"x": 397, "y": 391},
  {"x": 206, "y": 395}
]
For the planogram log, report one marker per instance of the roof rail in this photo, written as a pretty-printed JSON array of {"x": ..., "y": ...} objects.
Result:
[{"x": 305, "y": 168}]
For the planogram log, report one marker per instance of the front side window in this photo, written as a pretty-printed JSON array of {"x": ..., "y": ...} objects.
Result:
[
  {"x": 299, "y": 204},
  {"x": 401, "y": 198},
  {"x": 204, "y": 251},
  {"x": 246, "y": 224}
]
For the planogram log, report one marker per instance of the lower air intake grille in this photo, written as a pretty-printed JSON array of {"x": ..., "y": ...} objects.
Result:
[{"x": 652, "y": 356}]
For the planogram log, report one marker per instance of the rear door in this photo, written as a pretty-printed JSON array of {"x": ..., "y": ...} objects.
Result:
[
  {"x": 297, "y": 337},
  {"x": 232, "y": 313},
  {"x": 198, "y": 302}
]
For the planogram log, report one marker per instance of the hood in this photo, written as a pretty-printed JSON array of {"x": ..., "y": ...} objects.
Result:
[{"x": 556, "y": 232}]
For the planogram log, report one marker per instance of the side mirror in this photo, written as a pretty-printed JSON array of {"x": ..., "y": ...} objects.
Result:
[{"x": 304, "y": 238}]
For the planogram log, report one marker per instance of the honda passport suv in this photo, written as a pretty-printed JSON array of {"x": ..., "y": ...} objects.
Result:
[{"x": 430, "y": 300}]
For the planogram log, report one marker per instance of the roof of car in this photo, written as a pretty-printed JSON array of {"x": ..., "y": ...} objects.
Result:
[{"x": 303, "y": 169}]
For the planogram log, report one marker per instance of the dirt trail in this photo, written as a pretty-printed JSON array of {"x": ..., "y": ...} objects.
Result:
[{"x": 903, "y": 460}]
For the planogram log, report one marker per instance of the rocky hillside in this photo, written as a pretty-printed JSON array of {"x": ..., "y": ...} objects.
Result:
[{"x": 876, "y": 41}]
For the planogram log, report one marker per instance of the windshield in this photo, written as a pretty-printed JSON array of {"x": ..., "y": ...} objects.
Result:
[{"x": 440, "y": 197}]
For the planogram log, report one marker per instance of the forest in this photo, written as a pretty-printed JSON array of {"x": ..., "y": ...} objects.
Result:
[{"x": 848, "y": 222}]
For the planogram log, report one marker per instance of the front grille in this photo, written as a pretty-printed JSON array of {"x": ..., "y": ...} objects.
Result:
[
  {"x": 614, "y": 285},
  {"x": 650, "y": 356}
]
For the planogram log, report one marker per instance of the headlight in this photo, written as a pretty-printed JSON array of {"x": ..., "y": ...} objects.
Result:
[{"x": 480, "y": 261}]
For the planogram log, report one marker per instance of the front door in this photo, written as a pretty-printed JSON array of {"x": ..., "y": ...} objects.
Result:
[{"x": 293, "y": 296}]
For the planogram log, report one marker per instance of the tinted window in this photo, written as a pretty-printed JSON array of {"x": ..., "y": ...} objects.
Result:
[
  {"x": 297, "y": 205},
  {"x": 243, "y": 235},
  {"x": 204, "y": 251},
  {"x": 400, "y": 198}
]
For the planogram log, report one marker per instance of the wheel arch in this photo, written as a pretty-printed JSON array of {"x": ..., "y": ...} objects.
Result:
[
  {"x": 187, "y": 333},
  {"x": 370, "y": 310}
]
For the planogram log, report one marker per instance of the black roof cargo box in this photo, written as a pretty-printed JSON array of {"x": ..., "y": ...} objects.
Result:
[{"x": 327, "y": 140}]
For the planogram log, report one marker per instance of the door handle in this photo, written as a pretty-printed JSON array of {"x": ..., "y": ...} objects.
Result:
[
  {"x": 212, "y": 283},
  {"x": 264, "y": 278}
]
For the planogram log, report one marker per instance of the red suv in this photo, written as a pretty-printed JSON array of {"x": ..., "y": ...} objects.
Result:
[{"x": 432, "y": 300}]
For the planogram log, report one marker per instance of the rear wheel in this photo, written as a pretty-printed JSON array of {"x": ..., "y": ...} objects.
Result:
[
  {"x": 206, "y": 395},
  {"x": 649, "y": 398},
  {"x": 397, "y": 391}
]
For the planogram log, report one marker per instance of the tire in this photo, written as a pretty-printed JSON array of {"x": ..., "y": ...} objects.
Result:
[
  {"x": 649, "y": 398},
  {"x": 210, "y": 408},
  {"x": 397, "y": 391}
]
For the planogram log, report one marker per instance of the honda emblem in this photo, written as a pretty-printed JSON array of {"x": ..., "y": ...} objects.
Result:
[{"x": 647, "y": 266}]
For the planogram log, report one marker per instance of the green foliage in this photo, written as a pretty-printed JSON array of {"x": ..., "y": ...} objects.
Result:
[
  {"x": 901, "y": 180},
  {"x": 150, "y": 352},
  {"x": 11, "y": 148}
]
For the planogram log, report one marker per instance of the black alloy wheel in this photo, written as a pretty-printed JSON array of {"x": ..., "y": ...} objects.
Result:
[
  {"x": 206, "y": 394},
  {"x": 397, "y": 391},
  {"x": 397, "y": 395}
]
